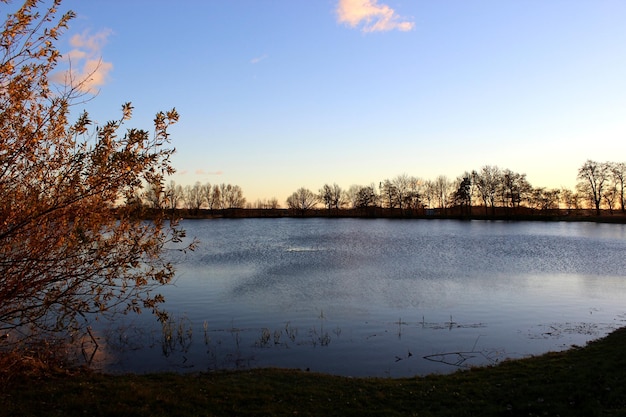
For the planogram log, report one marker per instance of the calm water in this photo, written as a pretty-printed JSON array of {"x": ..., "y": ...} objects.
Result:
[{"x": 378, "y": 297}]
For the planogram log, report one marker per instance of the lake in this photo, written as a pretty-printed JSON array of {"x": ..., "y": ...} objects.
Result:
[{"x": 364, "y": 297}]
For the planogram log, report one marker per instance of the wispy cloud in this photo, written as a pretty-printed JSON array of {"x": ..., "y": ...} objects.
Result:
[
  {"x": 87, "y": 70},
  {"x": 372, "y": 17},
  {"x": 203, "y": 172},
  {"x": 259, "y": 59}
]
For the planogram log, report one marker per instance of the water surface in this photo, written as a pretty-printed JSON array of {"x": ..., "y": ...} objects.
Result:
[{"x": 379, "y": 297}]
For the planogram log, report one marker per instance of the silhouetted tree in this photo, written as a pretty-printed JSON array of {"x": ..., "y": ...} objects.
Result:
[
  {"x": 593, "y": 177},
  {"x": 442, "y": 191},
  {"x": 302, "y": 200},
  {"x": 350, "y": 195},
  {"x": 389, "y": 194},
  {"x": 206, "y": 190},
  {"x": 463, "y": 195},
  {"x": 331, "y": 196},
  {"x": 174, "y": 195},
  {"x": 194, "y": 196},
  {"x": 487, "y": 181},
  {"x": 430, "y": 193},
  {"x": 618, "y": 173},
  {"x": 272, "y": 203},
  {"x": 542, "y": 198},
  {"x": 264, "y": 204},
  {"x": 215, "y": 202},
  {"x": 569, "y": 199},
  {"x": 514, "y": 188},
  {"x": 232, "y": 195},
  {"x": 610, "y": 195},
  {"x": 223, "y": 195},
  {"x": 366, "y": 197},
  {"x": 413, "y": 198},
  {"x": 154, "y": 196},
  {"x": 402, "y": 184}
]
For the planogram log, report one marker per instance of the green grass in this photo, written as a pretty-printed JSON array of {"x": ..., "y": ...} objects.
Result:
[{"x": 589, "y": 381}]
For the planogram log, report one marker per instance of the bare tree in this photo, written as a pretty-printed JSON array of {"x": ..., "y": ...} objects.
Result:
[
  {"x": 430, "y": 193},
  {"x": 542, "y": 198},
  {"x": 194, "y": 196},
  {"x": 402, "y": 184},
  {"x": 514, "y": 188},
  {"x": 215, "y": 203},
  {"x": 272, "y": 203},
  {"x": 350, "y": 196},
  {"x": 302, "y": 200},
  {"x": 223, "y": 194},
  {"x": 206, "y": 190},
  {"x": 154, "y": 196},
  {"x": 610, "y": 195},
  {"x": 463, "y": 194},
  {"x": 367, "y": 197},
  {"x": 395, "y": 193},
  {"x": 264, "y": 204},
  {"x": 442, "y": 191},
  {"x": 233, "y": 196},
  {"x": 487, "y": 181},
  {"x": 618, "y": 173},
  {"x": 331, "y": 196},
  {"x": 338, "y": 196},
  {"x": 593, "y": 177},
  {"x": 174, "y": 195},
  {"x": 569, "y": 199},
  {"x": 388, "y": 194},
  {"x": 69, "y": 250},
  {"x": 413, "y": 198}
]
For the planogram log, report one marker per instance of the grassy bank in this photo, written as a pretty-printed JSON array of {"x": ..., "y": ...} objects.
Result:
[{"x": 589, "y": 381}]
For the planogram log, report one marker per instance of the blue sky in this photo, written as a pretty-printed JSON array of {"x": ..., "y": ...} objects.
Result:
[{"x": 279, "y": 94}]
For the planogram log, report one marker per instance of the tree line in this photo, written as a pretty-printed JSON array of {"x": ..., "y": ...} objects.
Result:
[
  {"x": 193, "y": 197},
  {"x": 600, "y": 185}
]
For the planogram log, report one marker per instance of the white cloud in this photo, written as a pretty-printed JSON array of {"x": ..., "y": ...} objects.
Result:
[
  {"x": 87, "y": 70},
  {"x": 259, "y": 59},
  {"x": 93, "y": 43},
  {"x": 372, "y": 16}
]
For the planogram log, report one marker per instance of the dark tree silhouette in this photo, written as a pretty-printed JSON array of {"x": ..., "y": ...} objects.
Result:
[
  {"x": 487, "y": 181},
  {"x": 302, "y": 200},
  {"x": 331, "y": 196},
  {"x": 366, "y": 197},
  {"x": 463, "y": 195},
  {"x": 593, "y": 177}
]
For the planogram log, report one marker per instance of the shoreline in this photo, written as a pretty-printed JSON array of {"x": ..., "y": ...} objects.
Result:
[
  {"x": 380, "y": 213},
  {"x": 580, "y": 381}
]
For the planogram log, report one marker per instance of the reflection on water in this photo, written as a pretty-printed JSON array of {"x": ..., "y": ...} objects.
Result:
[{"x": 379, "y": 297}]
